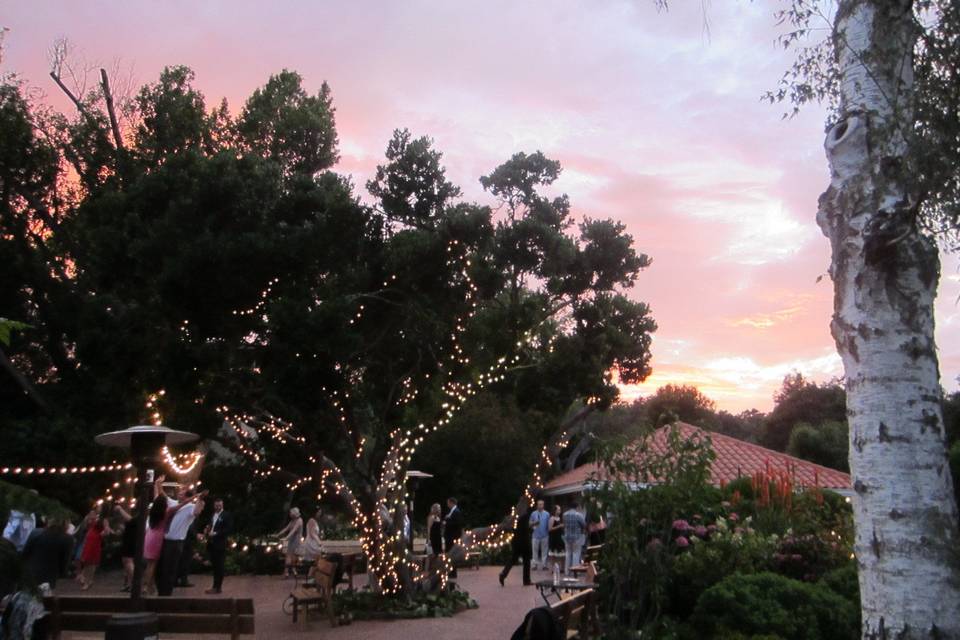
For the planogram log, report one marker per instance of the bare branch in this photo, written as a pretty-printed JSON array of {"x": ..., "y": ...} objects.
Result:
[
  {"x": 66, "y": 90},
  {"x": 3, "y": 33},
  {"x": 108, "y": 98}
]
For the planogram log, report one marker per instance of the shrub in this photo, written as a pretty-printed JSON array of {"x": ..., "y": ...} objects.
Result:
[
  {"x": 809, "y": 556},
  {"x": 640, "y": 544},
  {"x": 366, "y": 605},
  {"x": 14, "y": 496},
  {"x": 247, "y": 557},
  {"x": 846, "y": 583},
  {"x": 767, "y": 603},
  {"x": 728, "y": 550},
  {"x": 810, "y": 510}
]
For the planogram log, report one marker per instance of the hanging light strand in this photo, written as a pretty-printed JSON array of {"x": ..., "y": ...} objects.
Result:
[
  {"x": 64, "y": 471},
  {"x": 189, "y": 461}
]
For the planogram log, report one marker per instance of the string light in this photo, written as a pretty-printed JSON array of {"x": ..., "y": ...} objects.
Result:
[
  {"x": 193, "y": 459},
  {"x": 264, "y": 294},
  {"x": 152, "y": 405},
  {"x": 65, "y": 471}
]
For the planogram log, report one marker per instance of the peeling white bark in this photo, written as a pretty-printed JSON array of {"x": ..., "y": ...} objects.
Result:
[{"x": 885, "y": 276}]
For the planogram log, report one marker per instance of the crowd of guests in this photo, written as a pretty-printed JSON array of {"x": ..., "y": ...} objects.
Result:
[
  {"x": 302, "y": 543},
  {"x": 546, "y": 540},
  {"x": 56, "y": 548},
  {"x": 542, "y": 540}
]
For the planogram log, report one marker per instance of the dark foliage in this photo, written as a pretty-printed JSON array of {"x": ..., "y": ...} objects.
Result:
[{"x": 767, "y": 603}]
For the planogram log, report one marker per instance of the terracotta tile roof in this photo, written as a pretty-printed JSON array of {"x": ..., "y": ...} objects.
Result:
[{"x": 734, "y": 458}]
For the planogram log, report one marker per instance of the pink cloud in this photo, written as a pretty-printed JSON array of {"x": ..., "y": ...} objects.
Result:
[{"x": 657, "y": 120}]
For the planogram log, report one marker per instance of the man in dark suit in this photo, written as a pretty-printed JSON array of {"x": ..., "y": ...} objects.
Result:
[
  {"x": 452, "y": 528},
  {"x": 218, "y": 531},
  {"x": 186, "y": 557},
  {"x": 522, "y": 546},
  {"x": 452, "y": 525},
  {"x": 46, "y": 555}
]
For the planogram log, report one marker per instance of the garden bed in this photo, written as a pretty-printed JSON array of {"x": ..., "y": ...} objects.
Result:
[{"x": 366, "y": 605}]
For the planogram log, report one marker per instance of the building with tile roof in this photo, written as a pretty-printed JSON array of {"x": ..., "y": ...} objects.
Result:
[{"x": 734, "y": 459}]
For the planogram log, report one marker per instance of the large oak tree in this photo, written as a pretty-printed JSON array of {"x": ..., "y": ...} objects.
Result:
[{"x": 221, "y": 260}]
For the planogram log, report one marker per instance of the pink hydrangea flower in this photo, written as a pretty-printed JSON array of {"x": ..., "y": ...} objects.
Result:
[
  {"x": 733, "y": 517},
  {"x": 681, "y": 525},
  {"x": 700, "y": 531},
  {"x": 682, "y": 542}
]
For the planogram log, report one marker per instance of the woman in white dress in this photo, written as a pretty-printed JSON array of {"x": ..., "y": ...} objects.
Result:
[
  {"x": 313, "y": 543},
  {"x": 292, "y": 536}
]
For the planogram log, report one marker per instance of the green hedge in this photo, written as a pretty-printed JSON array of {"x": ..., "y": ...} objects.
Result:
[{"x": 767, "y": 603}]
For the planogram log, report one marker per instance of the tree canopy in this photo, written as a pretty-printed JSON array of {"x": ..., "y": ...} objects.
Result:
[
  {"x": 221, "y": 260},
  {"x": 802, "y": 401}
]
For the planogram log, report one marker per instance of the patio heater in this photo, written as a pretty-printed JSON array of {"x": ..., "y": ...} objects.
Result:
[{"x": 144, "y": 443}]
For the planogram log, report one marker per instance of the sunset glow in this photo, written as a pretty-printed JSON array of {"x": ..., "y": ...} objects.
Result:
[{"x": 655, "y": 116}]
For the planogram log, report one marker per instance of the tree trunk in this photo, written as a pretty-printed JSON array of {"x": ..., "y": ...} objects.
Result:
[{"x": 885, "y": 275}]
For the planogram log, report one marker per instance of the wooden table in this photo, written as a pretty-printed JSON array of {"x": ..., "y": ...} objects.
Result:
[{"x": 569, "y": 585}]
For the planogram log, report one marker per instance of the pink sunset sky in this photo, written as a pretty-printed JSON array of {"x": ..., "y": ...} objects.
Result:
[{"x": 655, "y": 116}]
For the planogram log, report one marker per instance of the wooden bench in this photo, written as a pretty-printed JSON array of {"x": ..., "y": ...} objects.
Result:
[
  {"x": 578, "y": 615},
  {"x": 342, "y": 546},
  {"x": 228, "y": 616},
  {"x": 318, "y": 594}
]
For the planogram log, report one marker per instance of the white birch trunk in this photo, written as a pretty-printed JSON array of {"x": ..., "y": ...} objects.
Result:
[{"x": 885, "y": 276}]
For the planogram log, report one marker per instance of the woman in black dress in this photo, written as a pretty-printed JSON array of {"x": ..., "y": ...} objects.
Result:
[
  {"x": 556, "y": 535},
  {"x": 128, "y": 544},
  {"x": 435, "y": 531}
]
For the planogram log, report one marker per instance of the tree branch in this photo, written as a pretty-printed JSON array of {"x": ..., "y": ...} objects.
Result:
[
  {"x": 108, "y": 97},
  {"x": 76, "y": 101},
  {"x": 28, "y": 388}
]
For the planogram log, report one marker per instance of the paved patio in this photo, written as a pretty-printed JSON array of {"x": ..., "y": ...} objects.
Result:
[{"x": 500, "y": 612}]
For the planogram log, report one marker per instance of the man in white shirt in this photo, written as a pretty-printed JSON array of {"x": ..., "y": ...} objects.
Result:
[
  {"x": 177, "y": 529},
  {"x": 540, "y": 526},
  {"x": 19, "y": 527}
]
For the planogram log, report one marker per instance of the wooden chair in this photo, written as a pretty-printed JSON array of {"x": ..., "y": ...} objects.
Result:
[
  {"x": 578, "y": 616},
  {"x": 591, "y": 555},
  {"x": 227, "y": 616},
  {"x": 318, "y": 594},
  {"x": 351, "y": 564}
]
